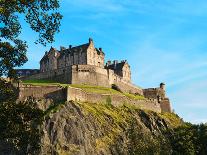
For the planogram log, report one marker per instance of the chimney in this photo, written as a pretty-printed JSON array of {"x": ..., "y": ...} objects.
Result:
[
  {"x": 70, "y": 46},
  {"x": 100, "y": 49}
]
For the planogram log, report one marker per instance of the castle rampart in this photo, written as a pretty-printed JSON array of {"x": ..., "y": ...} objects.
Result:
[
  {"x": 58, "y": 93},
  {"x": 88, "y": 74},
  {"x": 77, "y": 94},
  {"x": 55, "y": 93}
]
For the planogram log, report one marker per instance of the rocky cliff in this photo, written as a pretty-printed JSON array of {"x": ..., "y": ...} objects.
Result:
[{"x": 101, "y": 129}]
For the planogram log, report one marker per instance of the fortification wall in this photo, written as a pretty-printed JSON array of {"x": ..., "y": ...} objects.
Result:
[
  {"x": 87, "y": 74},
  {"x": 126, "y": 86},
  {"x": 165, "y": 105},
  {"x": 77, "y": 94},
  {"x": 91, "y": 75},
  {"x": 42, "y": 92},
  {"x": 62, "y": 75},
  {"x": 62, "y": 94}
]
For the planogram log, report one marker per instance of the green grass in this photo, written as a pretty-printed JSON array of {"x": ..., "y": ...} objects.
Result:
[
  {"x": 134, "y": 97},
  {"x": 40, "y": 82},
  {"x": 173, "y": 119},
  {"x": 96, "y": 89},
  {"x": 87, "y": 88}
]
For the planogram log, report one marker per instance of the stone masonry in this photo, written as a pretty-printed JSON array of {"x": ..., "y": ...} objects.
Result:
[{"x": 84, "y": 64}]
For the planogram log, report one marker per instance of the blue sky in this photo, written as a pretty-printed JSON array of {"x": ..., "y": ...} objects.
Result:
[{"x": 163, "y": 40}]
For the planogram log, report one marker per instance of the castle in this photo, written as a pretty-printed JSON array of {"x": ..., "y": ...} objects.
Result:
[{"x": 84, "y": 64}]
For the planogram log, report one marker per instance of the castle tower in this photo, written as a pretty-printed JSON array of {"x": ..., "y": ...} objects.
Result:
[
  {"x": 162, "y": 86},
  {"x": 162, "y": 91}
]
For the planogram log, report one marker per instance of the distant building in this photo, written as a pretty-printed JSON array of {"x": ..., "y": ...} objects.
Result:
[{"x": 26, "y": 72}]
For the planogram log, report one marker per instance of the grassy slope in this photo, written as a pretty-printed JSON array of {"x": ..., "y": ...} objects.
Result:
[
  {"x": 115, "y": 122},
  {"x": 87, "y": 88}
]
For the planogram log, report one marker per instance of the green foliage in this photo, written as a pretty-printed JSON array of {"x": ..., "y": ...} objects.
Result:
[
  {"x": 142, "y": 142},
  {"x": 41, "y": 17},
  {"x": 7, "y": 91},
  {"x": 11, "y": 56},
  {"x": 115, "y": 120},
  {"x": 189, "y": 139},
  {"x": 20, "y": 122},
  {"x": 173, "y": 119},
  {"x": 20, "y": 126}
]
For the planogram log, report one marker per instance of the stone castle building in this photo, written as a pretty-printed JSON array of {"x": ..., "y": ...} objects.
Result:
[
  {"x": 85, "y": 54},
  {"x": 84, "y": 64}
]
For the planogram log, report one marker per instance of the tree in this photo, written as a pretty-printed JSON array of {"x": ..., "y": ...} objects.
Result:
[
  {"x": 21, "y": 122},
  {"x": 43, "y": 18}
]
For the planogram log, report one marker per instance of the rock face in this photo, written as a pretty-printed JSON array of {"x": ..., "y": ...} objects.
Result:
[{"x": 101, "y": 129}]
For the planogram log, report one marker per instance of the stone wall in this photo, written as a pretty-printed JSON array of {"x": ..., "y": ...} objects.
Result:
[
  {"x": 87, "y": 74},
  {"x": 62, "y": 75},
  {"x": 91, "y": 75},
  {"x": 165, "y": 105},
  {"x": 66, "y": 94},
  {"x": 77, "y": 94},
  {"x": 42, "y": 92},
  {"x": 154, "y": 93},
  {"x": 126, "y": 86}
]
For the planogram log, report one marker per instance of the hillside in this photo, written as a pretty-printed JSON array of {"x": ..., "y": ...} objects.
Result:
[
  {"x": 41, "y": 126},
  {"x": 84, "y": 128}
]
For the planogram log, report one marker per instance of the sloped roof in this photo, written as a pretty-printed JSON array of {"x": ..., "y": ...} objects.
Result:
[
  {"x": 45, "y": 57},
  {"x": 117, "y": 66},
  {"x": 82, "y": 47},
  {"x": 99, "y": 51}
]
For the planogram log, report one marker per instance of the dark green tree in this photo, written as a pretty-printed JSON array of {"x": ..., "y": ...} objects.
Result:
[
  {"x": 185, "y": 140},
  {"x": 20, "y": 123},
  {"x": 202, "y": 136},
  {"x": 42, "y": 17}
]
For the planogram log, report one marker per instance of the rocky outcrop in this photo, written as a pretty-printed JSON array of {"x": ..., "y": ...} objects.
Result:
[{"x": 101, "y": 129}]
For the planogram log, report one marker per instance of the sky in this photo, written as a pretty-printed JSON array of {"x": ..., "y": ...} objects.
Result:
[{"x": 163, "y": 41}]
